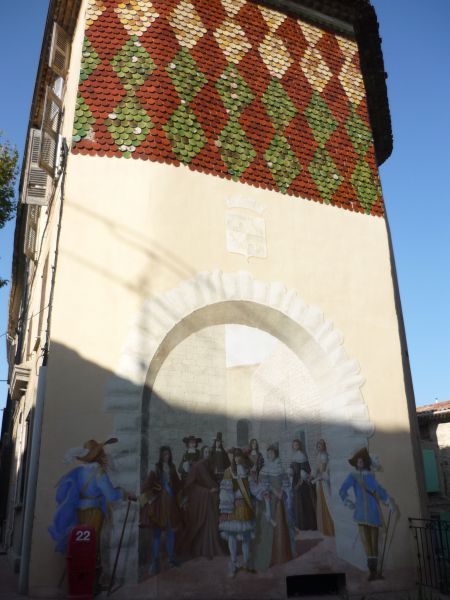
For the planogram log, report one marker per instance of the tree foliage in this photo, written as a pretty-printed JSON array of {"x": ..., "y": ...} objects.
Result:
[{"x": 8, "y": 176}]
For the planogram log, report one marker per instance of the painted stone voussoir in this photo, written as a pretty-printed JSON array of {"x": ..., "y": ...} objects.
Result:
[
  {"x": 312, "y": 319},
  {"x": 122, "y": 403},
  {"x": 331, "y": 340},
  {"x": 127, "y": 422}
]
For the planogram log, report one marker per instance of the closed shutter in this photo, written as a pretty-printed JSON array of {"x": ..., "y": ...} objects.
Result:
[
  {"x": 59, "y": 52},
  {"x": 51, "y": 122},
  {"x": 31, "y": 231},
  {"x": 431, "y": 470},
  {"x": 37, "y": 182}
]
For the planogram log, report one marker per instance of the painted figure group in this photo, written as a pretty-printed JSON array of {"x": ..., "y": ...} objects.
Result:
[
  {"x": 236, "y": 496},
  {"x": 218, "y": 501}
]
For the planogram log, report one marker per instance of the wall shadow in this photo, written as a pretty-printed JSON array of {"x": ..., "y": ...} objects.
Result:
[{"x": 75, "y": 412}]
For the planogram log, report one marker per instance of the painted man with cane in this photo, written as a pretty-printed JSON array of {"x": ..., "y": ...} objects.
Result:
[
  {"x": 83, "y": 495},
  {"x": 367, "y": 494}
]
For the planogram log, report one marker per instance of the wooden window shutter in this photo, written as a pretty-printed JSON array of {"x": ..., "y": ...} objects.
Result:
[
  {"x": 59, "y": 51},
  {"x": 37, "y": 182},
  {"x": 51, "y": 123},
  {"x": 431, "y": 470},
  {"x": 31, "y": 231}
]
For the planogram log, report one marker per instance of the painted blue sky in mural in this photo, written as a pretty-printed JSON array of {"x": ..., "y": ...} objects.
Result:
[{"x": 416, "y": 50}]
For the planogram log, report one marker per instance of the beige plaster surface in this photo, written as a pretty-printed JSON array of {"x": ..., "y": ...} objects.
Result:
[{"x": 133, "y": 229}]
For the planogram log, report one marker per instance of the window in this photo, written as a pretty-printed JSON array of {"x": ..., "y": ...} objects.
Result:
[
  {"x": 431, "y": 470},
  {"x": 242, "y": 432}
]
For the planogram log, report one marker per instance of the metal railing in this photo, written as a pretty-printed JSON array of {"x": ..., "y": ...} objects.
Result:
[{"x": 432, "y": 540}]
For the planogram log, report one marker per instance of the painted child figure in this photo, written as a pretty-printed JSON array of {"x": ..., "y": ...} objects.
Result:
[
  {"x": 191, "y": 455},
  {"x": 367, "y": 493},
  {"x": 236, "y": 507}
]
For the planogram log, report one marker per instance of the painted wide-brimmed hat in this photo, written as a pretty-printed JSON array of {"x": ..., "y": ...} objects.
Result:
[
  {"x": 192, "y": 438},
  {"x": 94, "y": 449},
  {"x": 361, "y": 453}
]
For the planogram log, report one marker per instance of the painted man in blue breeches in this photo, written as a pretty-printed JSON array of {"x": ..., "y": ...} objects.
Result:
[{"x": 367, "y": 494}]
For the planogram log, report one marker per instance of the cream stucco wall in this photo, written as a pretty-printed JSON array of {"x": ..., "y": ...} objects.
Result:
[{"x": 133, "y": 230}]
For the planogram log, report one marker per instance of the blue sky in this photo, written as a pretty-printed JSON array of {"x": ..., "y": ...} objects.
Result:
[{"x": 416, "y": 47}]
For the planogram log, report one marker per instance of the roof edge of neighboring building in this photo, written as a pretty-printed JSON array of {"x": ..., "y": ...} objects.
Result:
[
  {"x": 435, "y": 410},
  {"x": 358, "y": 19}
]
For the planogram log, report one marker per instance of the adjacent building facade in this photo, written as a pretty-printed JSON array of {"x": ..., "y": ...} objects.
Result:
[
  {"x": 434, "y": 429},
  {"x": 201, "y": 251}
]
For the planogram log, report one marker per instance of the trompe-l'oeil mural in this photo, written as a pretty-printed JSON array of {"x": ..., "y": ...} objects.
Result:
[
  {"x": 245, "y": 474},
  {"x": 233, "y": 502}
]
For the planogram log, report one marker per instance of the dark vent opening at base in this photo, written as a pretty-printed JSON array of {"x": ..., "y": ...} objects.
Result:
[{"x": 298, "y": 586}]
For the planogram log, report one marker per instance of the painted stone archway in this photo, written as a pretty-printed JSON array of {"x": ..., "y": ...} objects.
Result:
[{"x": 221, "y": 298}]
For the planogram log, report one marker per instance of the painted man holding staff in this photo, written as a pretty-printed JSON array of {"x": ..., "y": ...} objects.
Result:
[{"x": 367, "y": 494}]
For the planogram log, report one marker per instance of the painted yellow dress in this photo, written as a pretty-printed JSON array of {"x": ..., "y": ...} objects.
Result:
[{"x": 322, "y": 480}]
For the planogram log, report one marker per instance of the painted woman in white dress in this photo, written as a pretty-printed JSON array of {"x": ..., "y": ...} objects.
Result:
[{"x": 274, "y": 542}]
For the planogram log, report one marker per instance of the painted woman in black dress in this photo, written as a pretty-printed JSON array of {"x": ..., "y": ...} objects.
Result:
[{"x": 303, "y": 493}]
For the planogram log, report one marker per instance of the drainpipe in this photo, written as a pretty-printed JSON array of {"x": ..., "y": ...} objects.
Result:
[{"x": 28, "y": 520}]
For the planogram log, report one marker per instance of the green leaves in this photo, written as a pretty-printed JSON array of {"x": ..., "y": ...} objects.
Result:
[{"x": 8, "y": 176}]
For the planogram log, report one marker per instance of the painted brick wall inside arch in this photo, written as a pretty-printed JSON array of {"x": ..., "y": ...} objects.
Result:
[{"x": 231, "y": 89}]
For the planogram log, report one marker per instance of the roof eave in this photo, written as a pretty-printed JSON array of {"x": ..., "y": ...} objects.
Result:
[{"x": 65, "y": 13}]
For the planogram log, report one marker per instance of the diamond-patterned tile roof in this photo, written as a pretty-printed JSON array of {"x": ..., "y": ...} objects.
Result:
[
  {"x": 272, "y": 17},
  {"x": 232, "y": 7},
  {"x": 136, "y": 16},
  {"x": 187, "y": 24},
  {"x": 232, "y": 41},
  {"x": 94, "y": 10},
  {"x": 315, "y": 69},
  {"x": 233, "y": 89},
  {"x": 275, "y": 55}
]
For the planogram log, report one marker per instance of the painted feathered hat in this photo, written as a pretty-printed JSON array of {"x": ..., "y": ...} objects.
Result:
[
  {"x": 89, "y": 452},
  {"x": 361, "y": 453}
]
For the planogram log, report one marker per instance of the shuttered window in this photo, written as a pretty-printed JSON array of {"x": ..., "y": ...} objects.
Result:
[
  {"x": 31, "y": 231},
  {"x": 431, "y": 470},
  {"x": 51, "y": 123},
  {"x": 37, "y": 183},
  {"x": 59, "y": 52}
]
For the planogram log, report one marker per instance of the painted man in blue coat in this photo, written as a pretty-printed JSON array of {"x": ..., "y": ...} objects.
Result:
[
  {"x": 83, "y": 495},
  {"x": 367, "y": 494}
]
